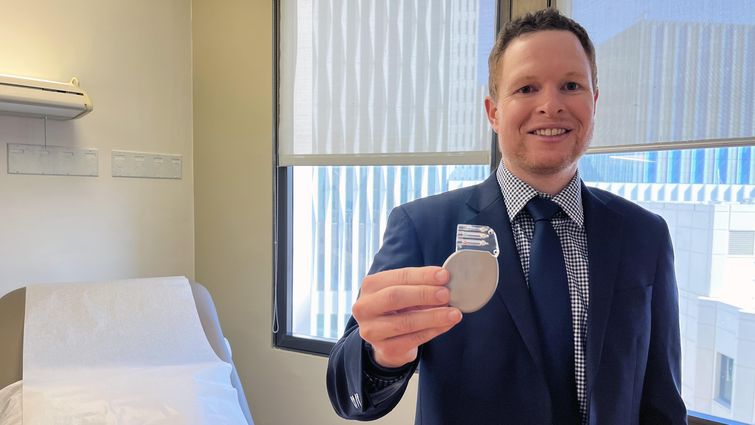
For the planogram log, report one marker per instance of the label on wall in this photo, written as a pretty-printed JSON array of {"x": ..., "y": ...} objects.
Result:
[
  {"x": 146, "y": 165},
  {"x": 52, "y": 160}
]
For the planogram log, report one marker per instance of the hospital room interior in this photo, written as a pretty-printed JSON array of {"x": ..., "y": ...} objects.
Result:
[
  {"x": 191, "y": 79},
  {"x": 189, "y": 88}
]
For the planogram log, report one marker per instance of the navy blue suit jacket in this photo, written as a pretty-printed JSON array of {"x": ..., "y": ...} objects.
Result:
[{"x": 488, "y": 368}]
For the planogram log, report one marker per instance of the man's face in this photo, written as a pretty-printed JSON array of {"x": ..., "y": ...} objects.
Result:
[{"x": 546, "y": 103}]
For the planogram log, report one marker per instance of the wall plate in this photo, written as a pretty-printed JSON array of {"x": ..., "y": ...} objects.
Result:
[
  {"x": 52, "y": 160},
  {"x": 146, "y": 165}
]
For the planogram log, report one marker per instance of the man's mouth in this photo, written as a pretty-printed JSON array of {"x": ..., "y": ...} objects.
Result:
[{"x": 550, "y": 131}]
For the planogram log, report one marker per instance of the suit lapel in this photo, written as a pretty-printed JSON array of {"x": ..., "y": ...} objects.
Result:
[
  {"x": 512, "y": 288},
  {"x": 604, "y": 228}
]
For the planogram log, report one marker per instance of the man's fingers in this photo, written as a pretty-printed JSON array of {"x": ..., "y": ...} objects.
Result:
[
  {"x": 400, "y": 350},
  {"x": 398, "y": 310},
  {"x": 409, "y": 323},
  {"x": 430, "y": 275},
  {"x": 396, "y": 298}
]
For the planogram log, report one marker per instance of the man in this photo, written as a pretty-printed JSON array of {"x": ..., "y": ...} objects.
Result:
[{"x": 583, "y": 327}]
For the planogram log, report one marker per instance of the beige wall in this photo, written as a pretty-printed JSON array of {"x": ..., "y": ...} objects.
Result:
[
  {"x": 134, "y": 59},
  {"x": 233, "y": 145}
]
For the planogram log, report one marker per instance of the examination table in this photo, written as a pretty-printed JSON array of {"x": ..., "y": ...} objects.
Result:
[{"x": 12, "y": 310}]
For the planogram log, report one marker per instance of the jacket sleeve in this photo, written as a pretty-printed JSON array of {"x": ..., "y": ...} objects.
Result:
[
  {"x": 661, "y": 396},
  {"x": 348, "y": 361}
]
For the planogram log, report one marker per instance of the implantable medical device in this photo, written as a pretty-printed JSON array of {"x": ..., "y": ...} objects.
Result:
[{"x": 473, "y": 267}]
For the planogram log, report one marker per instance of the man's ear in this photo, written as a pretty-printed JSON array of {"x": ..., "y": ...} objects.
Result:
[
  {"x": 595, "y": 101},
  {"x": 490, "y": 109}
]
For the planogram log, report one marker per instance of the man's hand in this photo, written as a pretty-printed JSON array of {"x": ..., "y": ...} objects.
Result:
[{"x": 398, "y": 310}]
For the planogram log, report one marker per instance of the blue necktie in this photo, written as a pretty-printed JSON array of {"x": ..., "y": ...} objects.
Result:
[{"x": 549, "y": 290}]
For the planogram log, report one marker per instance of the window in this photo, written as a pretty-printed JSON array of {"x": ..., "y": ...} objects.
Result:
[
  {"x": 725, "y": 379},
  {"x": 675, "y": 133},
  {"x": 741, "y": 242},
  {"x": 368, "y": 121},
  {"x": 340, "y": 214}
]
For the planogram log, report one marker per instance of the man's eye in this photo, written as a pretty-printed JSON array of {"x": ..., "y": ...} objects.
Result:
[
  {"x": 525, "y": 90},
  {"x": 571, "y": 85}
]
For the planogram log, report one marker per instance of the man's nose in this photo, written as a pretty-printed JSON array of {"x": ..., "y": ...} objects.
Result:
[{"x": 551, "y": 102}]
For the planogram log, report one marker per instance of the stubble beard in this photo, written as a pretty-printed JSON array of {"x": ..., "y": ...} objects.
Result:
[{"x": 530, "y": 163}]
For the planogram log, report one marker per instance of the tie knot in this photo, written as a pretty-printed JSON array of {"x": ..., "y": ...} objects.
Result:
[{"x": 542, "y": 209}]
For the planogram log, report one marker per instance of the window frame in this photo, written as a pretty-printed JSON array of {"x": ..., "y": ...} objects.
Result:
[{"x": 283, "y": 241}]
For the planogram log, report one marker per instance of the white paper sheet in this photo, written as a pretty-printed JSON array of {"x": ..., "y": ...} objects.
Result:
[
  {"x": 10, "y": 404},
  {"x": 122, "y": 352}
]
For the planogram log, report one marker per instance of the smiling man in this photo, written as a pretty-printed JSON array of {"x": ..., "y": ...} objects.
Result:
[
  {"x": 583, "y": 328},
  {"x": 542, "y": 106}
]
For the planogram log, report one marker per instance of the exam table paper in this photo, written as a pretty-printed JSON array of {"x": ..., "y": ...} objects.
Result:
[
  {"x": 10, "y": 404},
  {"x": 122, "y": 352}
]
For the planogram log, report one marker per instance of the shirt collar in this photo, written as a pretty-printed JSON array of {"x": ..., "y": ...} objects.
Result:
[{"x": 517, "y": 193}]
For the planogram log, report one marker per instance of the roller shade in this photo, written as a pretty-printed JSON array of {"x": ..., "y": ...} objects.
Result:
[{"x": 375, "y": 82}]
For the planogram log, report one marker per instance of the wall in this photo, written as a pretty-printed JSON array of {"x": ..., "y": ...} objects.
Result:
[
  {"x": 233, "y": 145},
  {"x": 134, "y": 60}
]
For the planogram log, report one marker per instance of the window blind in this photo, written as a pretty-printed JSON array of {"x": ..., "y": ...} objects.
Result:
[{"x": 377, "y": 82}]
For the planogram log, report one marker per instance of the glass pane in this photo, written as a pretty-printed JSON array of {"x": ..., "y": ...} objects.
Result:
[
  {"x": 339, "y": 219},
  {"x": 725, "y": 377},
  {"x": 707, "y": 197},
  {"x": 384, "y": 77},
  {"x": 673, "y": 70}
]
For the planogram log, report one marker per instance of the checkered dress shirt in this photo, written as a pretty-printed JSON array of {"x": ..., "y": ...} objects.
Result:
[{"x": 569, "y": 225}]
